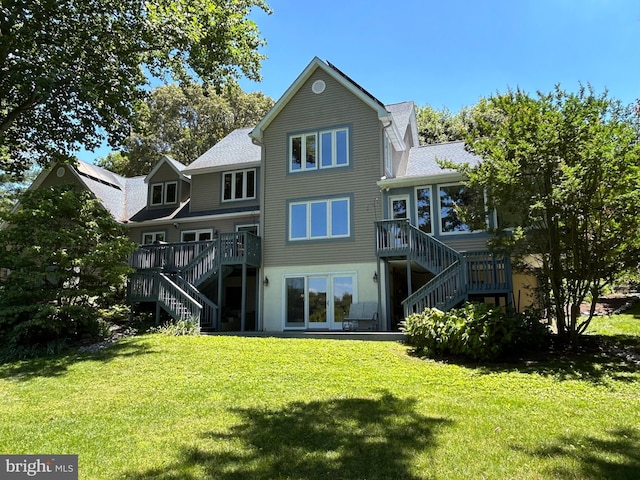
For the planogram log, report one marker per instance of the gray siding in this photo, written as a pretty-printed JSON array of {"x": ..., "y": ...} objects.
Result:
[
  {"x": 164, "y": 174},
  {"x": 308, "y": 111},
  {"x": 206, "y": 192}
]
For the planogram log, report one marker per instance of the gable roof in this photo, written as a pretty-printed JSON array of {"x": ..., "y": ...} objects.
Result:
[
  {"x": 348, "y": 83},
  {"x": 119, "y": 195},
  {"x": 176, "y": 165},
  {"x": 235, "y": 150}
]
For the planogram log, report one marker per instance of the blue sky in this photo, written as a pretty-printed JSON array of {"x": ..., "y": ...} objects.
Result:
[{"x": 451, "y": 53}]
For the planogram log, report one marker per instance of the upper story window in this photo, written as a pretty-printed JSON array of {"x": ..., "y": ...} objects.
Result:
[
  {"x": 320, "y": 149},
  {"x": 239, "y": 185},
  {"x": 164, "y": 193},
  {"x": 318, "y": 219}
]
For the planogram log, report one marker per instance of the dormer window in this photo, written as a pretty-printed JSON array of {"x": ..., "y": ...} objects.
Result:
[{"x": 164, "y": 194}]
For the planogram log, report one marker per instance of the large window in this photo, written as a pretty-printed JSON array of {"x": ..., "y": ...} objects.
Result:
[
  {"x": 164, "y": 193},
  {"x": 239, "y": 185},
  {"x": 317, "y": 219},
  {"x": 453, "y": 199},
  {"x": 322, "y": 149}
]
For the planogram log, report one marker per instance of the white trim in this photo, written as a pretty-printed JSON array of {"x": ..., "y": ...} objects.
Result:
[
  {"x": 328, "y": 202},
  {"x": 245, "y": 184},
  {"x": 316, "y": 63},
  {"x": 166, "y": 159},
  {"x": 197, "y": 233},
  {"x": 329, "y": 275},
  {"x": 225, "y": 168},
  {"x": 245, "y": 225},
  {"x": 403, "y": 196}
]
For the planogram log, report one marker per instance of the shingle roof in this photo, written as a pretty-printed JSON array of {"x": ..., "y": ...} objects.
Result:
[
  {"x": 401, "y": 113},
  {"x": 121, "y": 196},
  {"x": 237, "y": 148},
  {"x": 423, "y": 161}
]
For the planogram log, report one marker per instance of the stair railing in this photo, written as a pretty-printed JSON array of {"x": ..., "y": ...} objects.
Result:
[
  {"x": 444, "y": 291},
  {"x": 209, "y": 314},
  {"x": 178, "y": 303}
]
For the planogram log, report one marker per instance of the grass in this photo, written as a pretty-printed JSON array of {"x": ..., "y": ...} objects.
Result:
[{"x": 257, "y": 408}]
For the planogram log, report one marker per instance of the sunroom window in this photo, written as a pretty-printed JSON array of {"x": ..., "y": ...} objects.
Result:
[{"x": 453, "y": 200}]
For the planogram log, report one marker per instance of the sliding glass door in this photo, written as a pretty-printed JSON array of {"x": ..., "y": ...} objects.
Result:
[{"x": 318, "y": 301}]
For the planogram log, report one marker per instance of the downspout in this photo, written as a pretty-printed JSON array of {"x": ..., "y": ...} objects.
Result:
[{"x": 260, "y": 270}]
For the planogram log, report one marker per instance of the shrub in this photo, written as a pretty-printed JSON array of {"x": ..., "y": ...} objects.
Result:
[
  {"x": 188, "y": 326},
  {"x": 474, "y": 331}
]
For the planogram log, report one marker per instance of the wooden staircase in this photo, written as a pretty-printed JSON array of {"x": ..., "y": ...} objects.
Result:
[
  {"x": 170, "y": 274},
  {"x": 457, "y": 274}
]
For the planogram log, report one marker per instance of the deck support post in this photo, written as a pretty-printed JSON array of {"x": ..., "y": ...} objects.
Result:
[
  {"x": 220, "y": 298},
  {"x": 243, "y": 305},
  {"x": 409, "y": 283}
]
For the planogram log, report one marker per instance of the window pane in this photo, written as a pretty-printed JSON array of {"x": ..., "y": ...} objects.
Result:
[
  {"x": 298, "y": 219},
  {"x": 339, "y": 218},
  {"x": 239, "y": 180},
  {"x": 251, "y": 184},
  {"x": 203, "y": 236},
  {"x": 294, "y": 301},
  {"x": 188, "y": 236},
  {"x": 326, "y": 149},
  {"x": 147, "y": 238},
  {"x": 310, "y": 150},
  {"x": 342, "y": 297},
  {"x": 172, "y": 193},
  {"x": 319, "y": 219},
  {"x": 452, "y": 199},
  {"x": 156, "y": 194},
  {"x": 296, "y": 153},
  {"x": 159, "y": 237},
  {"x": 342, "y": 148},
  {"x": 423, "y": 200},
  {"x": 227, "y": 186},
  {"x": 399, "y": 208}
]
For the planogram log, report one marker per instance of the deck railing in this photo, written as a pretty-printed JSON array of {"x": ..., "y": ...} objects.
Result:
[
  {"x": 167, "y": 256},
  {"x": 399, "y": 238}
]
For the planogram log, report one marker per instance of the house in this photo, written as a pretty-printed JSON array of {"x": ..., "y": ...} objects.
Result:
[{"x": 327, "y": 202}]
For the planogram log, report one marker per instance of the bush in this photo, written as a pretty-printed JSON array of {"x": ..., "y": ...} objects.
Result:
[
  {"x": 475, "y": 331},
  {"x": 178, "y": 328}
]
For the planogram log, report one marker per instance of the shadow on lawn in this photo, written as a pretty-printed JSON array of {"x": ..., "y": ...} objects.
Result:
[
  {"x": 56, "y": 365},
  {"x": 598, "y": 359},
  {"x": 615, "y": 455},
  {"x": 353, "y": 438}
]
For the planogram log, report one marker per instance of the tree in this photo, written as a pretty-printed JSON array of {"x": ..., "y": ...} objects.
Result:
[
  {"x": 65, "y": 252},
  {"x": 184, "y": 123},
  {"x": 563, "y": 169},
  {"x": 437, "y": 126},
  {"x": 72, "y": 71}
]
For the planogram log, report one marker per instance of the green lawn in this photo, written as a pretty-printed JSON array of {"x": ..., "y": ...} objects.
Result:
[{"x": 257, "y": 408}]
